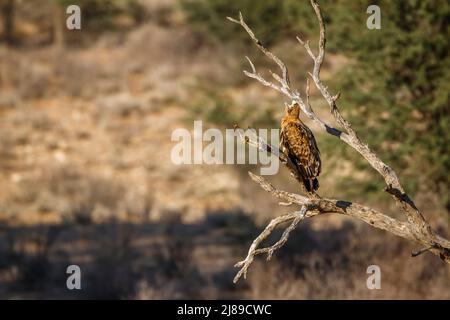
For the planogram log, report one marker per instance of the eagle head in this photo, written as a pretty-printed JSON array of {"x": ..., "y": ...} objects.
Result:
[{"x": 292, "y": 111}]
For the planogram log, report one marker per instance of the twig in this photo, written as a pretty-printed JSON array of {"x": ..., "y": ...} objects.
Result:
[
  {"x": 285, "y": 76},
  {"x": 296, "y": 217}
]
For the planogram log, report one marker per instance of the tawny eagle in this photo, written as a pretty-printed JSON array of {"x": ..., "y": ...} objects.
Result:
[{"x": 297, "y": 142}]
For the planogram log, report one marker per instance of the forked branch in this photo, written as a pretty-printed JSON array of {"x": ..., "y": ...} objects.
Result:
[{"x": 415, "y": 229}]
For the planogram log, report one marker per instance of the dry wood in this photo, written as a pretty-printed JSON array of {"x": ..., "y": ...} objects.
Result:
[{"x": 415, "y": 228}]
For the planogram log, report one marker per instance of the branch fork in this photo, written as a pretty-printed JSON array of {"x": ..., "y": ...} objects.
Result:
[{"x": 415, "y": 229}]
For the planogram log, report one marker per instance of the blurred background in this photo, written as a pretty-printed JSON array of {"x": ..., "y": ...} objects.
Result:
[{"x": 86, "y": 118}]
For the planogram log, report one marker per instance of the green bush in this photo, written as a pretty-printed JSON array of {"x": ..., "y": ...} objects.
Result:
[{"x": 397, "y": 90}]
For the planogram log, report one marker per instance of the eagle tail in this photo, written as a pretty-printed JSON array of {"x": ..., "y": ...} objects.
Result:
[
  {"x": 315, "y": 184},
  {"x": 311, "y": 185}
]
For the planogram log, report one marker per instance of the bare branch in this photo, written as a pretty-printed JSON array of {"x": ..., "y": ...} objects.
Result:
[
  {"x": 415, "y": 229},
  {"x": 307, "y": 47},
  {"x": 258, "y": 43},
  {"x": 321, "y": 55},
  {"x": 390, "y": 177},
  {"x": 254, "y": 251},
  {"x": 376, "y": 219},
  {"x": 244, "y": 264},
  {"x": 313, "y": 207},
  {"x": 255, "y": 75},
  {"x": 284, "y": 79},
  {"x": 284, "y": 86},
  {"x": 286, "y": 233}
]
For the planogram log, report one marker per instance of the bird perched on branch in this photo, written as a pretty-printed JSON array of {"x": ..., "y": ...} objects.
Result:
[{"x": 297, "y": 142}]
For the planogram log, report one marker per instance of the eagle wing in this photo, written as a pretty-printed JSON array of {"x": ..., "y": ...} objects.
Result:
[{"x": 299, "y": 144}]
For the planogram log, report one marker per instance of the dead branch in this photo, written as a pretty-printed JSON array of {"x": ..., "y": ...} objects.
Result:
[
  {"x": 415, "y": 229},
  {"x": 254, "y": 251},
  {"x": 262, "y": 145}
]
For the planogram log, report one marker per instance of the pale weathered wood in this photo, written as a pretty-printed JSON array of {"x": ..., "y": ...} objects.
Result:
[{"x": 415, "y": 229}]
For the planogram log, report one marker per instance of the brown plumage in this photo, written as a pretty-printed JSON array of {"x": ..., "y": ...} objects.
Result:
[{"x": 298, "y": 143}]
